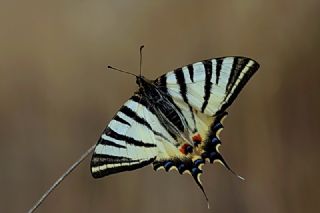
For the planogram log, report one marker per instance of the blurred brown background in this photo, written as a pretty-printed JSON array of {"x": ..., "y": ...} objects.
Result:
[{"x": 57, "y": 97}]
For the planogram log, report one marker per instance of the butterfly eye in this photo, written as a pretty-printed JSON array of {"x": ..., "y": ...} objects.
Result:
[{"x": 189, "y": 149}]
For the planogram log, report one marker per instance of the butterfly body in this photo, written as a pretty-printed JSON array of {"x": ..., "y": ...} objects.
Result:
[{"x": 174, "y": 121}]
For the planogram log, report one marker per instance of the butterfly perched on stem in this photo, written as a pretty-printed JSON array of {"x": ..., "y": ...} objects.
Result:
[{"x": 173, "y": 122}]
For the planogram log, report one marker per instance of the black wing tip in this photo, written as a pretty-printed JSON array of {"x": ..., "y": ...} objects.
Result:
[
  {"x": 97, "y": 175},
  {"x": 255, "y": 65}
]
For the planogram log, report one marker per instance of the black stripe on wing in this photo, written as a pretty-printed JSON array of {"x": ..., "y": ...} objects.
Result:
[
  {"x": 190, "y": 69},
  {"x": 119, "y": 119},
  {"x": 240, "y": 63},
  {"x": 182, "y": 83},
  {"x": 128, "y": 139},
  {"x": 112, "y": 170},
  {"x": 130, "y": 113},
  {"x": 237, "y": 66},
  {"x": 207, "y": 85},
  {"x": 102, "y": 159},
  {"x": 110, "y": 143},
  {"x": 218, "y": 70},
  {"x": 183, "y": 91}
]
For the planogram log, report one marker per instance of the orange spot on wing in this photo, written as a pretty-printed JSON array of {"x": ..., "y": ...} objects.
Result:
[
  {"x": 183, "y": 148},
  {"x": 197, "y": 138}
]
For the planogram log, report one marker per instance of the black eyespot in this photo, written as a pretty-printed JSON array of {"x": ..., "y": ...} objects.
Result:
[{"x": 189, "y": 149}]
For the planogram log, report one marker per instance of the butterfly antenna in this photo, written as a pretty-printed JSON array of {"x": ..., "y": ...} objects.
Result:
[
  {"x": 62, "y": 177},
  {"x": 113, "y": 68},
  {"x": 141, "y": 47}
]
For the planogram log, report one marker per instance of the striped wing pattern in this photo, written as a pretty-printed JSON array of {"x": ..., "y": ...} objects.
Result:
[
  {"x": 179, "y": 130},
  {"x": 129, "y": 141},
  {"x": 134, "y": 138}
]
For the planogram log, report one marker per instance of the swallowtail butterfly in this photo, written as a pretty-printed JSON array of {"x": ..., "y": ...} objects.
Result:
[{"x": 174, "y": 121}]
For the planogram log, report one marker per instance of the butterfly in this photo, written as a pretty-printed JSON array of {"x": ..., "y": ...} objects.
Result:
[{"x": 174, "y": 121}]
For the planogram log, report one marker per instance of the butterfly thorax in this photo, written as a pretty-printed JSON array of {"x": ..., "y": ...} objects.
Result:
[{"x": 148, "y": 89}]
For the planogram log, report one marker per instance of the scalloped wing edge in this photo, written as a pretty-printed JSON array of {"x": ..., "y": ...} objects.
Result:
[{"x": 210, "y": 154}]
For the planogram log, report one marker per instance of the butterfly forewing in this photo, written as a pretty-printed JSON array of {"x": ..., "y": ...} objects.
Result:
[
  {"x": 203, "y": 91},
  {"x": 134, "y": 138},
  {"x": 127, "y": 143},
  {"x": 209, "y": 86}
]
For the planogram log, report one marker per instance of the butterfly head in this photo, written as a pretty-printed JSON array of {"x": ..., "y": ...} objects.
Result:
[
  {"x": 148, "y": 89},
  {"x": 143, "y": 82}
]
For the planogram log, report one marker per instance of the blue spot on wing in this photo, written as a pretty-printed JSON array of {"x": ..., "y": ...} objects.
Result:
[
  {"x": 198, "y": 162},
  {"x": 216, "y": 127},
  {"x": 181, "y": 168},
  {"x": 215, "y": 141},
  {"x": 183, "y": 165},
  {"x": 167, "y": 165},
  {"x": 195, "y": 171},
  {"x": 213, "y": 156}
]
